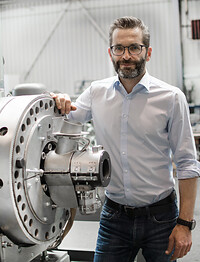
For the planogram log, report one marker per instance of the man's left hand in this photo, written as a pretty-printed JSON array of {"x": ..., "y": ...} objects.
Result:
[{"x": 180, "y": 241}]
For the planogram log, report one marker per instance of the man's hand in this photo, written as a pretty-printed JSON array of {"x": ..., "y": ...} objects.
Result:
[
  {"x": 63, "y": 102},
  {"x": 180, "y": 240}
]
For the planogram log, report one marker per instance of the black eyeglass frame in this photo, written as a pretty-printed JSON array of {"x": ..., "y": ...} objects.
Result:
[{"x": 141, "y": 46}]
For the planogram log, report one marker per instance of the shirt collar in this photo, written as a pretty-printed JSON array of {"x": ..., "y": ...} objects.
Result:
[{"x": 142, "y": 85}]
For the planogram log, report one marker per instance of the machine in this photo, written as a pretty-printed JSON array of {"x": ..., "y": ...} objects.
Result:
[{"x": 47, "y": 171}]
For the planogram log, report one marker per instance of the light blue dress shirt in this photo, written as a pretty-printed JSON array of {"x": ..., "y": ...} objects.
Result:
[{"x": 141, "y": 131}]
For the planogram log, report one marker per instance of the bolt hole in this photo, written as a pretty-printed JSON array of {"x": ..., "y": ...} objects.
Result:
[
  {"x": 23, "y": 206},
  {"x": 23, "y": 127},
  {"x": 31, "y": 111},
  {"x": 47, "y": 235},
  {"x": 28, "y": 121},
  {"x": 16, "y": 175},
  {"x": 30, "y": 222},
  {"x": 37, "y": 110},
  {"x": 19, "y": 198},
  {"x": 1, "y": 183},
  {"x": 3, "y": 131},
  {"x": 53, "y": 229},
  {"x": 19, "y": 185},
  {"x": 17, "y": 149},
  {"x": 41, "y": 103},
  {"x": 21, "y": 139},
  {"x": 36, "y": 232}
]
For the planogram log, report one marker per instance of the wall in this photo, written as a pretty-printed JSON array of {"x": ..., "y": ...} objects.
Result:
[
  {"x": 191, "y": 50},
  {"x": 64, "y": 45}
]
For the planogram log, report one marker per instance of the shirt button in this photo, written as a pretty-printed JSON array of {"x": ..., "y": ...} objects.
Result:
[
  {"x": 124, "y": 115},
  {"x": 123, "y": 153}
]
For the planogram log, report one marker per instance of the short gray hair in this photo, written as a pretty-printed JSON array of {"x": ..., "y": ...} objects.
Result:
[{"x": 128, "y": 22}]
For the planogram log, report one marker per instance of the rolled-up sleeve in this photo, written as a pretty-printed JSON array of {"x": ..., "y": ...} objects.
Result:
[{"x": 181, "y": 139}]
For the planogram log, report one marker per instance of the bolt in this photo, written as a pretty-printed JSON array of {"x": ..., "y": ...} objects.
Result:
[
  {"x": 50, "y": 146},
  {"x": 20, "y": 163},
  {"x": 6, "y": 244},
  {"x": 43, "y": 156}
]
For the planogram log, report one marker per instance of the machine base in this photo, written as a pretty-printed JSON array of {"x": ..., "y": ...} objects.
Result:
[{"x": 53, "y": 256}]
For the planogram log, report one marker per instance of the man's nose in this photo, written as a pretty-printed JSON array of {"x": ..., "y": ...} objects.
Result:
[{"x": 126, "y": 54}]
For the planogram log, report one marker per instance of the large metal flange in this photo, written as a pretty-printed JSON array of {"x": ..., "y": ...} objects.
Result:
[{"x": 31, "y": 217}]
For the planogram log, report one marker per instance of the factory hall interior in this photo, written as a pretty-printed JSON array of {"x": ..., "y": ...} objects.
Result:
[{"x": 99, "y": 130}]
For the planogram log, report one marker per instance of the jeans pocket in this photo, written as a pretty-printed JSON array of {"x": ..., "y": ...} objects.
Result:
[
  {"x": 109, "y": 213},
  {"x": 167, "y": 217}
]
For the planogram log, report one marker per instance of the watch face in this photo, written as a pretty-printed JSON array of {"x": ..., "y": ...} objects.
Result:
[{"x": 193, "y": 224}]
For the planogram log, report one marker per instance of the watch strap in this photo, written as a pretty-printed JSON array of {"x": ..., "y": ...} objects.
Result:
[{"x": 190, "y": 224}]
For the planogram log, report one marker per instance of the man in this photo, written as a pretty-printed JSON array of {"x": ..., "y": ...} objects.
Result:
[{"x": 140, "y": 121}]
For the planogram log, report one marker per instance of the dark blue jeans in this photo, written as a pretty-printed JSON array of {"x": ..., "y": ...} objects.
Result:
[{"x": 120, "y": 237}]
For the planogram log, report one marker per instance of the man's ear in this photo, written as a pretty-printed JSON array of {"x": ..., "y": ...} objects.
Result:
[
  {"x": 109, "y": 52},
  {"x": 149, "y": 51}
]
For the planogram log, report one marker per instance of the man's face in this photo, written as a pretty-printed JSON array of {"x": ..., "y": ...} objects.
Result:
[{"x": 129, "y": 66}]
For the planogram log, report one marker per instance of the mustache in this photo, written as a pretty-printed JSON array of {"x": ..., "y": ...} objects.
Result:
[{"x": 126, "y": 62}]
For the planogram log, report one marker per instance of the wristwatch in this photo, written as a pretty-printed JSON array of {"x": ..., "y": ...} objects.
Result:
[{"x": 191, "y": 224}]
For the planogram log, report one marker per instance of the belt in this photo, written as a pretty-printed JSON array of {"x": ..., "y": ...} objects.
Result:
[{"x": 156, "y": 208}]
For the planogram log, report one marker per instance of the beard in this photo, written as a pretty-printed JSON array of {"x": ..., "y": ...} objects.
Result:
[{"x": 130, "y": 73}]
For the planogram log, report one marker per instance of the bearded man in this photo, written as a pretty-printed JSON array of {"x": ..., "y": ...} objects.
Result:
[{"x": 141, "y": 121}]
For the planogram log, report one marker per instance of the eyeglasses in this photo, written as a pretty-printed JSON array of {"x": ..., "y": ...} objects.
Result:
[{"x": 134, "y": 49}]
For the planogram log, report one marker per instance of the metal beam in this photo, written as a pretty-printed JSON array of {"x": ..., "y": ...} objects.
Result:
[
  {"x": 94, "y": 23},
  {"x": 178, "y": 43},
  {"x": 46, "y": 40}
]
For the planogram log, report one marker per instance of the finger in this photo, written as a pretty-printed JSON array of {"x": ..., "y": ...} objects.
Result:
[
  {"x": 68, "y": 106},
  {"x": 187, "y": 249},
  {"x": 170, "y": 246},
  {"x": 53, "y": 94},
  {"x": 180, "y": 251},
  {"x": 62, "y": 105},
  {"x": 73, "y": 108},
  {"x": 57, "y": 100},
  {"x": 177, "y": 253}
]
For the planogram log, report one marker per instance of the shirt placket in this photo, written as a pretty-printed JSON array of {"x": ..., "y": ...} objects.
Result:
[{"x": 124, "y": 144}]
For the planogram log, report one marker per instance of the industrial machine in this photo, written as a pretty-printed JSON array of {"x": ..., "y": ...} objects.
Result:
[{"x": 47, "y": 171}]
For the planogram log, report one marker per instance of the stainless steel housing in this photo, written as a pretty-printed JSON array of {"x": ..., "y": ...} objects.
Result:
[{"x": 46, "y": 169}]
